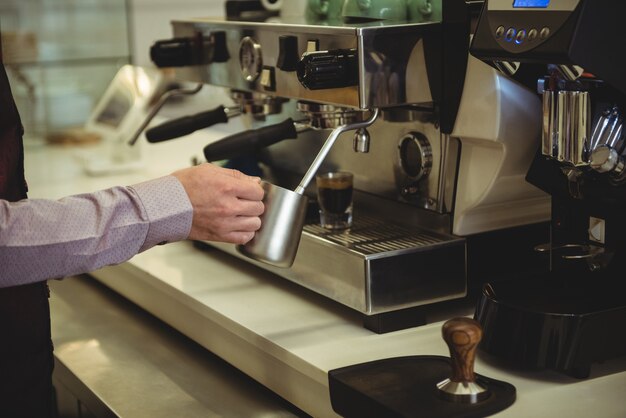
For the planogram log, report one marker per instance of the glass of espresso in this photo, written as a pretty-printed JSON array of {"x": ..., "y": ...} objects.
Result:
[{"x": 334, "y": 195}]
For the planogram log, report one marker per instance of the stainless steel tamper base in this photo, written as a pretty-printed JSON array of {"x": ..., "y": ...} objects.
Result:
[{"x": 462, "y": 392}]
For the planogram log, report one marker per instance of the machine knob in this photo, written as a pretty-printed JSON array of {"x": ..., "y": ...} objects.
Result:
[
  {"x": 182, "y": 52},
  {"x": 605, "y": 159},
  {"x": 508, "y": 68},
  {"x": 570, "y": 72},
  {"x": 462, "y": 336},
  {"x": 416, "y": 155},
  {"x": 220, "y": 47},
  {"x": 319, "y": 70},
  {"x": 288, "y": 56}
]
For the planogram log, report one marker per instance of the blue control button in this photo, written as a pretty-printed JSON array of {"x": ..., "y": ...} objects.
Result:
[
  {"x": 510, "y": 34},
  {"x": 520, "y": 37}
]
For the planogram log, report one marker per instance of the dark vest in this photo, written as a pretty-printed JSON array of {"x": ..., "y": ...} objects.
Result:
[
  {"x": 25, "y": 347},
  {"x": 12, "y": 183}
]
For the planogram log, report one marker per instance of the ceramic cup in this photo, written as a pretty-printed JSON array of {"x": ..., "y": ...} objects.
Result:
[
  {"x": 324, "y": 10},
  {"x": 423, "y": 10},
  {"x": 394, "y": 10}
]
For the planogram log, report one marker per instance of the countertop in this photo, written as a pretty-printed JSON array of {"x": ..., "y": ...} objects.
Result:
[
  {"x": 282, "y": 335},
  {"x": 120, "y": 361}
]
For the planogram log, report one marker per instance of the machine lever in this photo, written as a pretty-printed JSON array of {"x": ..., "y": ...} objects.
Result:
[
  {"x": 186, "y": 125},
  {"x": 250, "y": 141},
  {"x": 155, "y": 109},
  {"x": 181, "y": 52}
]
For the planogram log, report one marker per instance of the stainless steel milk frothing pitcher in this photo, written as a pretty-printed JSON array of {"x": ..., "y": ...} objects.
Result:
[{"x": 277, "y": 241}]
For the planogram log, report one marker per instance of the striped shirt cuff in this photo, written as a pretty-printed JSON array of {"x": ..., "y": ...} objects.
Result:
[{"x": 168, "y": 209}]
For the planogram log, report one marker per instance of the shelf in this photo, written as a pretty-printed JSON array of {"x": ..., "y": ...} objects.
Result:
[
  {"x": 60, "y": 57},
  {"x": 92, "y": 61}
]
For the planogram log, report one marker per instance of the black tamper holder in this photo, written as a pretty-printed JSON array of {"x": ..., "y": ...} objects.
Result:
[{"x": 422, "y": 386}]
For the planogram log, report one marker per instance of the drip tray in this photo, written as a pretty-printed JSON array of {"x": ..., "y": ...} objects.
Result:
[
  {"x": 372, "y": 236},
  {"x": 376, "y": 266}
]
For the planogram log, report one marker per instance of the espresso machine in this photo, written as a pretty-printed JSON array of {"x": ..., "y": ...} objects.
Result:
[
  {"x": 569, "y": 318},
  {"x": 439, "y": 175}
]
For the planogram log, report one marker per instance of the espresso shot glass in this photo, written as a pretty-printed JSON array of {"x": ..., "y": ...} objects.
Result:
[{"x": 334, "y": 195}]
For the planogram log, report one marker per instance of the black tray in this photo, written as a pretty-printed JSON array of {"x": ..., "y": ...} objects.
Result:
[{"x": 406, "y": 387}]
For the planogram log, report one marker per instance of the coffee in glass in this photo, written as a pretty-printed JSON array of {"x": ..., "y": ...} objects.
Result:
[{"x": 334, "y": 195}]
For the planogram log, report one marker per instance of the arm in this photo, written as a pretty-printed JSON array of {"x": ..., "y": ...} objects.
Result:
[{"x": 42, "y": 239}]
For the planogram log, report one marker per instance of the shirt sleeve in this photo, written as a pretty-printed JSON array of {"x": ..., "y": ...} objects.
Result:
[{"x": 44, "y": 239}]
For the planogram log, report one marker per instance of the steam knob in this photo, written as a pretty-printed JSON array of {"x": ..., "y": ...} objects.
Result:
[
  {"x": 605, "y": 159},
  {"x": 570, "y": 72},
  {"x": 462, "y": 336},
  {"x": 319, "y": 70},
  {"x": 416, "y": 155}
]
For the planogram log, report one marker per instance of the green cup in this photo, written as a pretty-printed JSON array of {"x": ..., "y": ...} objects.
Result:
[
  {"x": 394, "y": 10},
  {"x": 424, "y": 10},
  {"x": 324, "y": 10}
]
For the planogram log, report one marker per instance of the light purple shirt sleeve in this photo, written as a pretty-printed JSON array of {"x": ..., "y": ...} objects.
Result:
[{"x": 44, "y": 239}]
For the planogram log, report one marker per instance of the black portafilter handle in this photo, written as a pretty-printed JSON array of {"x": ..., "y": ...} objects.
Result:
[
  {"x": 250, "y": 141},
  {"x": 186, "y": 125}
]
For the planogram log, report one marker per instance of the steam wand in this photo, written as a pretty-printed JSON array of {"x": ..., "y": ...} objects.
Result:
[{"x": 330, "y": 141}]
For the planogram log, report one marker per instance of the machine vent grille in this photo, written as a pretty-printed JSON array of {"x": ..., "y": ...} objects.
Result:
[{"x": 372, "y": 236}]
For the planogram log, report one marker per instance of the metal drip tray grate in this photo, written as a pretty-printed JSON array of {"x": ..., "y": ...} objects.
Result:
[
  {"x": 376, "y": 266},
  {"x": 369, "y": 236}
]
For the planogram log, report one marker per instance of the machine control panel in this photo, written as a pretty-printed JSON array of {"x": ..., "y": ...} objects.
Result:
[
  {"x": 567, "y": 33},
  {"x": 515, "y": 26}
]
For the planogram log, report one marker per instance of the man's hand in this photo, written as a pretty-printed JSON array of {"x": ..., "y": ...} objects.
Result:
[{"x": 226, "y": 203}]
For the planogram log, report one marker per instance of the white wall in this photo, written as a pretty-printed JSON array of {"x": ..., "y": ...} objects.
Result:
[{"x": 151, "y": 21}]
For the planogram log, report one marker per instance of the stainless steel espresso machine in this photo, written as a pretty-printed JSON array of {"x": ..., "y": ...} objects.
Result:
[
  {"x": 572, "y": 317},
  {"x": 439, "y": 177}
]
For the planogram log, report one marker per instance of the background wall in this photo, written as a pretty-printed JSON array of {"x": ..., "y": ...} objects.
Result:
[{"x": 151, "y": 21}]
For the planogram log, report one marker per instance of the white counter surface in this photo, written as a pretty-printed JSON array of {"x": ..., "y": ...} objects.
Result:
[{"x": 284, "y": 336}]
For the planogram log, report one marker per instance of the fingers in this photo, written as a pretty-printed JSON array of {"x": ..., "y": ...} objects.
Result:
[
  {"x": 237, "y": 230},
  {"x": 249, "y": 190},
  {"x": 239, "y": 175},
  {"x": 227, "y": 204},
  {"x": 249, "y": 208},
  {"x": 244, "y": 186},
  {"x": 239, "y": 238},
  {"x": 247, "y": 223}
]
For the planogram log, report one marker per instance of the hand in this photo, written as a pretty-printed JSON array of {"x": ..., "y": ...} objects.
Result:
[{"x": 226, "y": 203}]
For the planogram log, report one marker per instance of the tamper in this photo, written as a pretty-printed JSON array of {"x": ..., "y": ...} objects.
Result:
[
  {"x": 407, "y": 386},
  {"x": 462, "y": 336}
]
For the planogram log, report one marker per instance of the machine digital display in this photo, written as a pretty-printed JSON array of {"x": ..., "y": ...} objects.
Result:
[{"x": 531, "y": 3}]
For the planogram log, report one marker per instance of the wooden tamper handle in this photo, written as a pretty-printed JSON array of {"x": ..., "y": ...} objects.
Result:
[{"x": 462, "y": 336}]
